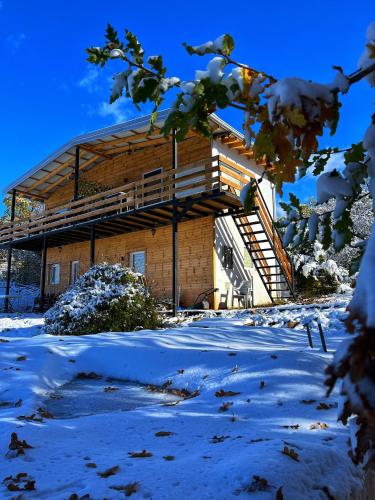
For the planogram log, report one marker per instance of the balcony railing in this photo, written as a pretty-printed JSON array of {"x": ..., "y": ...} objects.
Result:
[{"x": 215, "y": 174}]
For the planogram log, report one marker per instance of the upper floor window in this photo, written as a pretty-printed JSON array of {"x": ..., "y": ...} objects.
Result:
[
  {"x": 54, "y": 274},
  {"x": 138, "y": 262},
  {"x": 227, "y": 257},
  {"x": 74, "y": 271}
]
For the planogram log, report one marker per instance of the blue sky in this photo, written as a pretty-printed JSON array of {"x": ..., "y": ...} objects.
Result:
[{"x": 49, "y": 93}]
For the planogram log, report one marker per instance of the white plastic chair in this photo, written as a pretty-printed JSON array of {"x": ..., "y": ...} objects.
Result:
[{"x": 244, "y": 293}]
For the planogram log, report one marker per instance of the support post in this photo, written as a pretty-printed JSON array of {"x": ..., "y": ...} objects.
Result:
[
  {"x": 322, "y": 339},
  {"x": 10, "y": 251},
  {"x": 76, "y": 175},
  {"x": 92, "y": 245},
  {"x": 43, "y": 274},
  {"x": 175, "y": 293}
]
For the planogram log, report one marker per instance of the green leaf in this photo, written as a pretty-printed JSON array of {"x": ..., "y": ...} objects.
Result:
[
  {"x": 294, "y": 201},
  {"x": 250, "y": 197},
  {"x": 222, "y": 45},
  {"x": 134, "y": 47},
  {"x": 355, "y": 154},
  {"x": 112, "y": 35}
]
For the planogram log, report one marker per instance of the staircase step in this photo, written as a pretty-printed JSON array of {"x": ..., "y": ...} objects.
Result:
[{"x": 261, "y": 241}]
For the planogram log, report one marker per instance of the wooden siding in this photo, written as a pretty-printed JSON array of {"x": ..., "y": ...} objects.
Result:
[
  {"x": 195, "y": 257},
  {"x": 127, "y": 168}
]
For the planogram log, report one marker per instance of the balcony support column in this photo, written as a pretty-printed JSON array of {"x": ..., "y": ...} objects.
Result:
[
  {"x": 43, "y": 275},
  {"x": 175, "y": 294},
  {"x": 10, "y": 251},
  {"x": 92, "y": 245},
  {"x": 76, "y": 175}
]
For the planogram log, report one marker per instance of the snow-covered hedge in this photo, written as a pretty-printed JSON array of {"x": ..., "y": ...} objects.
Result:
[
  {"x": 106, "y": 298},
  {"x": 317, "y": 274}
]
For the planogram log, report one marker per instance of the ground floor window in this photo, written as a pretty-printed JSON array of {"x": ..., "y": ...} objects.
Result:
[
  {"x": 54, "y": 274},
  {"x": 138, "y": 262},
  {"x": 74, "y": 271}
]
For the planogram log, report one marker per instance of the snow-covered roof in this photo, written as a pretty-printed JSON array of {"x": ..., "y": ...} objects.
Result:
[{"x": 53, "y": 171}]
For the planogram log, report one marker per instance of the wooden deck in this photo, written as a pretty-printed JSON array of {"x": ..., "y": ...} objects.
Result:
[{"x": 208, "y": 187}]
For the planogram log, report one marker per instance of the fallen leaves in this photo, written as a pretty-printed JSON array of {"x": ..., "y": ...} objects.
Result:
[
  {"x": 109, "y": 472},
  {"x": 21, "y": 358},
  {"x": 181, "y": 371},
  {"x": 110, "y": 389},
  {"x": 326, "y": 406},
  {"x": 319, "y": 425},
  {"x": 258, "y": 484},
  {"x": 163, "y": 433},
  {"x": 218, "y": 439},
  {"x": 262, "y": 384},
  {"x": 293, "y": 426},
  {"x": 290, "y": 452},
  {"x": 292, "y": 324},
  {"x": 308, "y": 401},
  {"x": 91, "y": 465},
  {"x": 225, "y": 406},
  {"x": 140, "y": 454},
  {"x": 128, "y": 489},
  {"x": 16, "y": 446},
  {"x": 21, "y": 482},
  {"x": 221, "y": 393},
  {"x": 36, "y": 417},
  {"x": 89, "y": 375},
  {"x": 169, "y": 458}
]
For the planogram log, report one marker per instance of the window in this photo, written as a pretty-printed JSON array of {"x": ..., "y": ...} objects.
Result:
[
  {"x": 54, "y": 274},
  {"x": 247, "y": 262},
  {"x": 152, "y": 182},
  {"x": 74, "y": 271},
  {"x": 138, "y": 262},
  {"x": 228, "y": 257}
]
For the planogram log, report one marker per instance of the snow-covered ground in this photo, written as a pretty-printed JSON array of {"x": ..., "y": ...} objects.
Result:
[{"x": 260, "y": 424}]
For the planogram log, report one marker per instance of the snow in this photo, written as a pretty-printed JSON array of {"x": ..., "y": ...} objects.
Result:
[
  {"x": 217, "y": 454},
  {"x": 291, "y": 92},
  {"x": 367, "y": 57}
]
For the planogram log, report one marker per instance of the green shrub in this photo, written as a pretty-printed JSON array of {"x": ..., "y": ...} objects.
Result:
[{"x": 107, "y": 298}]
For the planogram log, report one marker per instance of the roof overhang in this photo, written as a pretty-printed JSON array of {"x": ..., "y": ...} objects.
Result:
[{"x": 55, "y": 170}]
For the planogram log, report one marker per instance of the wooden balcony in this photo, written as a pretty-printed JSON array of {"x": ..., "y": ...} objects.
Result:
[{"x": 208, "y": 187}]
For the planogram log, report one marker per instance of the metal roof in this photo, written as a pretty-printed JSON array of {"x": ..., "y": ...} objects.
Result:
[{"x": 57, "y": 167}]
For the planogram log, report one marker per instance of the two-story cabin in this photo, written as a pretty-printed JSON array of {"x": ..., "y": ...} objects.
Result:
[{"x": 169, "y": 210}]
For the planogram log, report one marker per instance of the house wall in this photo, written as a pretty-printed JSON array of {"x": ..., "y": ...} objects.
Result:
[
  {"x": 227, "y": 234},
  {"x": 128, "y": 168},
  {"x": 195, "y": 257}
]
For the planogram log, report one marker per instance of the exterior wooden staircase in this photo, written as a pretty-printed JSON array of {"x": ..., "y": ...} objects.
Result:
[{"x": 264, "y": 244}]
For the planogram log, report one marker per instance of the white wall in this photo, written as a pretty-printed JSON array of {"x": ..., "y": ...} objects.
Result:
[{"x": 226, "y": 234}]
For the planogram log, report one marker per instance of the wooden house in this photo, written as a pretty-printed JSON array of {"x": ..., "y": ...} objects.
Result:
[{"x": 169, "y": 210}]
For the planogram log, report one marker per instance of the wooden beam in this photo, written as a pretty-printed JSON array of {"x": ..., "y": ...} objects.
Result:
[
  {"x": 59, "y": 181},
  {"x": 68, "y": 163},
  {"x": 93, "y": 150},
  {"x": 127, "y": 139}
]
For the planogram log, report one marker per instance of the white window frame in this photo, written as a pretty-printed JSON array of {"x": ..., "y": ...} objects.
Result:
[
  {"x": 131, "y": 259},
  {"x": 54, "y": 274},
  {"x": 74, "y": 271}
]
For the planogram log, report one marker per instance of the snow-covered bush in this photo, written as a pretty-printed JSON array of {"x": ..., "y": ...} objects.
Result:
[
  {"x": 106, "y": 298},
  {"x": 316, "y": 273}
]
